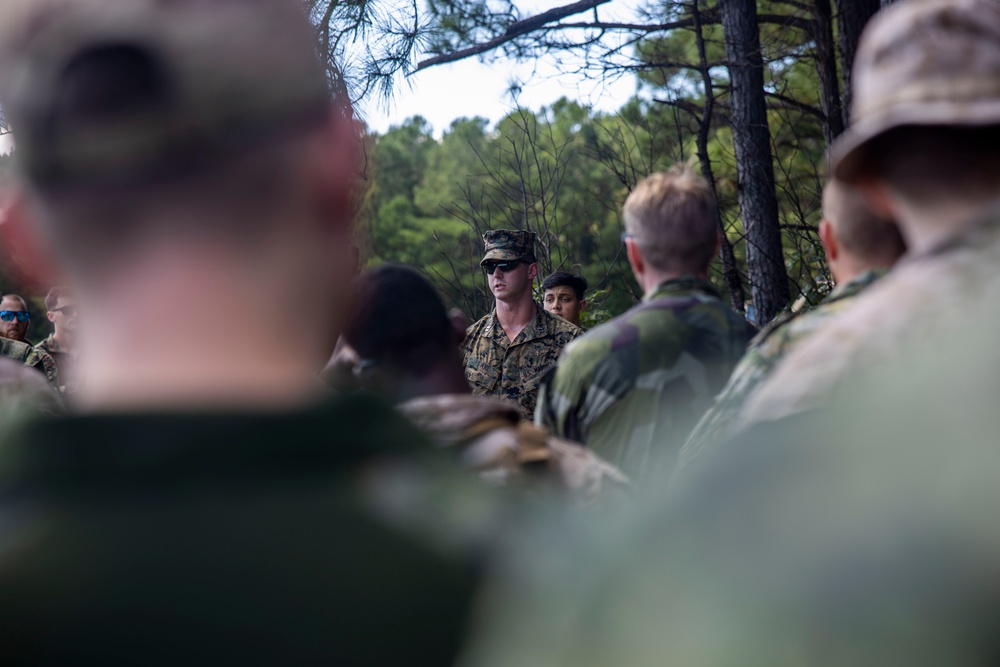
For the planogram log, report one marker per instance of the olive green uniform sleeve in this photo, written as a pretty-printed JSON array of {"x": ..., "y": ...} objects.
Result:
[{"x": 633, "y": 388}]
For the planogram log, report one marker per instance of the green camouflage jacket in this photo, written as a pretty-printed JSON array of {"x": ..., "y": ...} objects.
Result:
[
  {"x": 634, "y": 387},
  {"x": 65, "y": 364},
  {"x": 31, "y": 357},
  {"x": 768, "y": 348},
  {"x": 495, "y": 366}
]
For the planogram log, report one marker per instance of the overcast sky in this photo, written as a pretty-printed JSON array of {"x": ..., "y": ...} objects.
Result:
[{"x": 469, "y": 88}]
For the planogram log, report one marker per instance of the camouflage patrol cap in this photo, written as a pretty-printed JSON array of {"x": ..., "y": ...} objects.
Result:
[
  {"x": 211, "y": 75},
  {"x": 508, "y": 244},
  {"x": 923, "y": 62}
]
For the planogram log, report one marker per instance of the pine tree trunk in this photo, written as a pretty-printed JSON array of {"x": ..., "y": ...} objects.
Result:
[
  {"x": 730, "y": 272},
  {"x": 852, "y": 17},
  {"x": 754, "y": 166},
  {"x": 826, "y": 67}
]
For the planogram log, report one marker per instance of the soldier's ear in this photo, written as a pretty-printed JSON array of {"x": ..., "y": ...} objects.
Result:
[
  {"x": 532, "y": 270},
  {"x": 635, "y": 257},
  {"x": 829, "y": 240}
]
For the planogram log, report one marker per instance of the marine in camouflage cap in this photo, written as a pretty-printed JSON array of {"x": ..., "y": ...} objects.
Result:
[
  {"x": 508, "y": 351},
  {"x": 633, "y": 388},
  {"x": 505, "y": 245},
  {"x": 404, "y": 345}
]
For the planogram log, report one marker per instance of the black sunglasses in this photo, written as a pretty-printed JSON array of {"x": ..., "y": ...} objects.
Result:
[
  {"x": 68, "y": 311},
  {"x": 503, "y": 266},
  {"x": 9, "y": 315}
]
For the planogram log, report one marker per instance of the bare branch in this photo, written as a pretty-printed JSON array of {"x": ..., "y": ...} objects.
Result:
[{"x": 515, "y": 30}]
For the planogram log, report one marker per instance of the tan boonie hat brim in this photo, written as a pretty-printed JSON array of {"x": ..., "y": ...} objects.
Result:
[
  {"x": 847, "y": 154},
  {"x": 922, "y": 62}
]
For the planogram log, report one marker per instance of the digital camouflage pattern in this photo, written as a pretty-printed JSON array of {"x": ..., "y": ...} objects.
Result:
[
  {"x": 633, "y": 388},
  {"x": 491, "y": 438},
  {"x": 766, "y": 350},
  {"x": 513, "y": 370},
  {"x": 65, "y": 364},
  {"x": 921, "y": 297},
  {"x": 31, "y": 357},
  {"x": 508, "y": 244}
]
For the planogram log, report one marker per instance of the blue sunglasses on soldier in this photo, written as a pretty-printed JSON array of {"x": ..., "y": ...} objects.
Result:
[{"x": 10, "y": 315}]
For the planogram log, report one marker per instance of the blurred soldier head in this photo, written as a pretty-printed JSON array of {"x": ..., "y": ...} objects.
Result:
[
  {"x": 405, "y": 339},
  {"x": 510, "y": 263},
  {"x": 856, "y": 240},
  {"x": 926, "y": 112},
  {"x": 187, "y": 162},
  {"x": 563, "y": 295},
  {"x": 14, "y": 318},
  {"x": 670, "y": 227},
  {"x": 61, "y": 307}
]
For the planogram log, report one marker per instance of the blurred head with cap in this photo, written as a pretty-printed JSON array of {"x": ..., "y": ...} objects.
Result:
[
  {"x": 189, "y": 165},
  {"x": 926, "y": 115}
]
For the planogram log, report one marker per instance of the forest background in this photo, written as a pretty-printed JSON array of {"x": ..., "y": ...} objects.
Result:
[{"x": 751, "y": 94}]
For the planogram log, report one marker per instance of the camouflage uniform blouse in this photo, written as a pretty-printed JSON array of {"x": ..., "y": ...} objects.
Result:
[
  {"x": 496, "y": 366},
  {"x": 766, "y": 351},
  {"x": 32, "y": 357},
  {"x": 65, "y": 363},
  {"x": 634, "y": 387}
]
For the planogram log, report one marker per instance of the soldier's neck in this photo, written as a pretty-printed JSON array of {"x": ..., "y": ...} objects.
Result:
[
  {"x": 928, "y": 224},
  {"x": 203, "y": 338},
  {"x": 514, "y": 316},
  {"x": 65, "y": 342}
]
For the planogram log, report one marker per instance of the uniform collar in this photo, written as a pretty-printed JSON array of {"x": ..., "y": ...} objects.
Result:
[
  {"x": 855, "y": 285},
  {"x": 683, "y": 286},
  {"x": 536, "y": 328}
]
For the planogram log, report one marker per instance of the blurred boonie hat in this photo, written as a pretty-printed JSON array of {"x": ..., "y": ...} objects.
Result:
[
  {"x": 205, "y": 76},
  {"x": 504, "y": 245},
  {"x": 922, "y": 62}
]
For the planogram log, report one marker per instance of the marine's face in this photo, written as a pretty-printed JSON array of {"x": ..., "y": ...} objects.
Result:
[
  {"x": 513, "y": 283},
  {"x": 14, "y": 329},
  {"x": 64, "y": 315},
  {"x": 561, "y": 300}
]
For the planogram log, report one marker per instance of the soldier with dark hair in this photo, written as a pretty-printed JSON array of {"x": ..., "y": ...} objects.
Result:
[
  {"x": 407, "y": 348},
  {"x": 633, "y": 388},
  {"x": 563, "y": 295},
  {"x": 508, "y": 351},
  {"x": 209, "y": 504}
]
